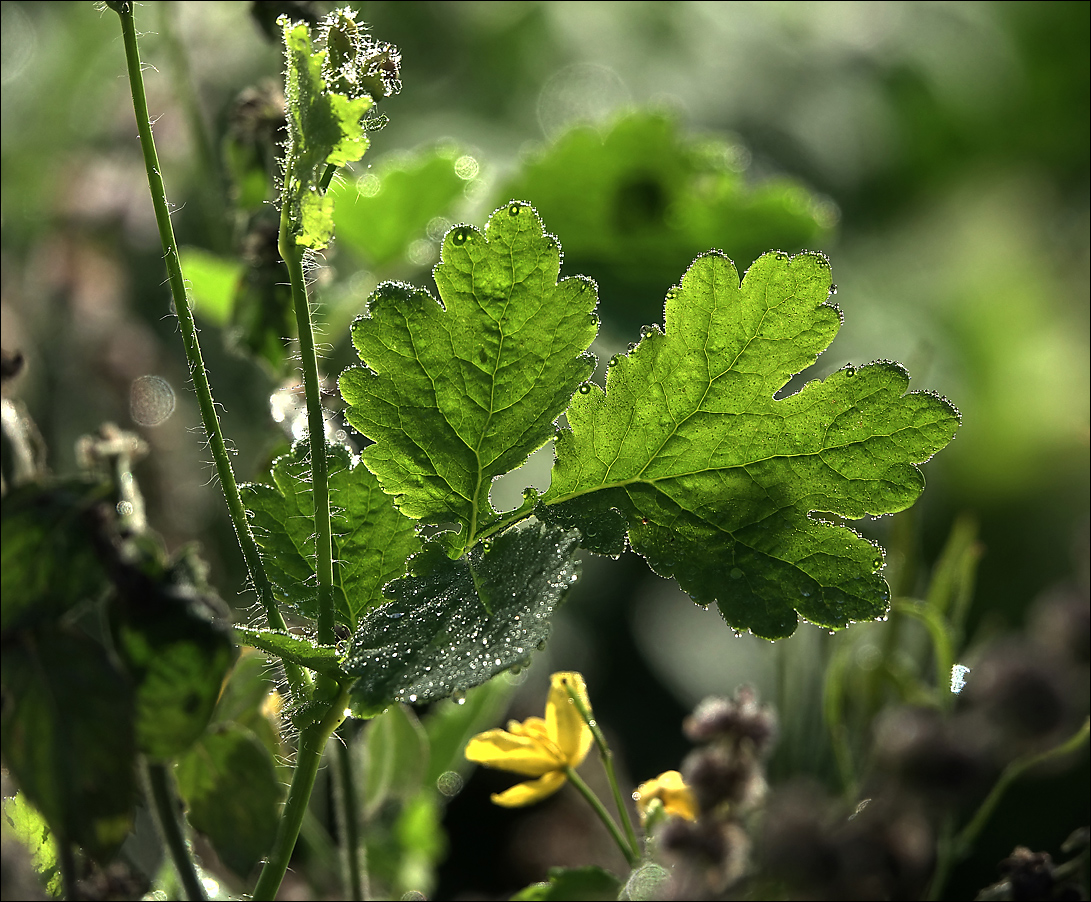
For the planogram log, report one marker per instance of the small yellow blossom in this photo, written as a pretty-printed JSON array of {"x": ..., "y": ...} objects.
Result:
[
  {"x": 537, "y": 747},
  {"x": 670, "y": 789}
]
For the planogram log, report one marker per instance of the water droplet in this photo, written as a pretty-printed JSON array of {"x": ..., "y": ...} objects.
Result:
[
  {"x": 850, "y": 371},
  {"x": 585, "y": 389},
  {"x": 514, "y": 209},
  {"x": 736, "y": 573},
  {"x": 460, "y": 236},
  {"x": 877, "y": 563},
  {"x": 124, "y": 509},
  {"x": 645, "y": 331},
  {"x": 486, "y": 546},
  {"x": 613, "y": 360},
  {"x": 412, "y": 698}
]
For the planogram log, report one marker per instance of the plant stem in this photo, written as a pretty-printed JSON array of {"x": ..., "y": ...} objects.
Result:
[
  {"x": 297, "y": 677},
  {"x": 164, "y": 804},
  {"x": 961, "y": 845},
  {"x": 312, "y": 741},
  {"x": 316, "y": 423},
  {"x": 353, "y": 861},
  {"x": 608, "y": 765},
  {"x": 631, "y": 856}
]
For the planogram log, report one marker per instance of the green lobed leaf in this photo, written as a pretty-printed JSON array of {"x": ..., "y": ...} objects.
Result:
[
  {"x": 572, "y": 883},
  {"x": 324, "y": 129},
  {"x": 229, "y": 783},
  {"x": 296, "y": 649},
  {"x": 67, "y": 729},
  {"x": 721, "y": 485},
  {"x": 454, "y": 624},
  {"x": 456, "y": 394},
  {"x": 379, "y": 215},
  {"x": 371, "y": 540}
]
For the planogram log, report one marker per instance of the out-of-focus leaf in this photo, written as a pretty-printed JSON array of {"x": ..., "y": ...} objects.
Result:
[
  {"x": 48, "y": 557},
  {"x": 715, "y": 481},
  {"x": 250, "y": 699},
  {"x": 636, "y": 205},
  {"x": 457, "y": 394},
  {"x": 230, "y": 785},
  {"x": 178, "y": 648},
  {"x": 450, "y": 725},
  {"x": 454, "y": 624},
  {"x": 68, "y": 736},
  {"x": 31, "y": 829},
  {"x": 213, "y": 283},
  {"x": 395, "y": 749},
  {"x": 371, "y": 540},
  {"x": 572, "y": 883},
  {"x": 380, "y": 214}
]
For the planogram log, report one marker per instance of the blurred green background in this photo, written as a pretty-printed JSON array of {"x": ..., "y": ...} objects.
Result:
[{"x": 937, "y": 152}]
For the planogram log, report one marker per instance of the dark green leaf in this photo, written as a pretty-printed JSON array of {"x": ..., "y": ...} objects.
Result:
[
  {"x": 379, "y": 215},
  {"x": 371, "y": 540},
  {"x": 457, "y": 394},
  {"x": 395, "y": 751},
  {"x": 48, "y": 557},
  {"x": 454, "y": 624},
  {"x": 572, "y": 884},
  {"x": 178, "y": 652},
  {"x": 636, "y": 205},
  {"x": 304, "y": 652},
  {"x": 718, "y": 481},
  {"x": 68, "y": 737},
  {"x": 229, "y": 783}
]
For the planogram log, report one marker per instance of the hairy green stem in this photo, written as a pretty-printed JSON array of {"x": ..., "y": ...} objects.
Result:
[
  {"x": 312, "y": 742},
  {"x": 353, "y": 860},
  {"x": 608, "y": 765},
  {"x": 631, "y": 856},
  {"x": 951, "y": 852},
  {"x": 292, "y": 254},
  {"x": 297, "y": 677},
  {"x": 165, "y": 805}
]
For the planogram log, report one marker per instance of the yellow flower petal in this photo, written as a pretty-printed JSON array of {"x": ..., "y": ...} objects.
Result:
[
  {"x": 524, "y": 755},
  {"x": 564, "y": 723},
  {"x": 530, "y": 792},
  {"x": 670, "y": 789}
]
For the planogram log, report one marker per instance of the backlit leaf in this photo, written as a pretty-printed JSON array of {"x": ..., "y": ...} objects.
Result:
[
  {"x": 723, "y": 486},
  {"x": 455, "y": 394}
]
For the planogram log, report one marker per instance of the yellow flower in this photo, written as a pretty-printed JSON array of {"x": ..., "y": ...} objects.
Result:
[
  {"x": 538, "y": 748},
  {"x": 671, "y": 791}
]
